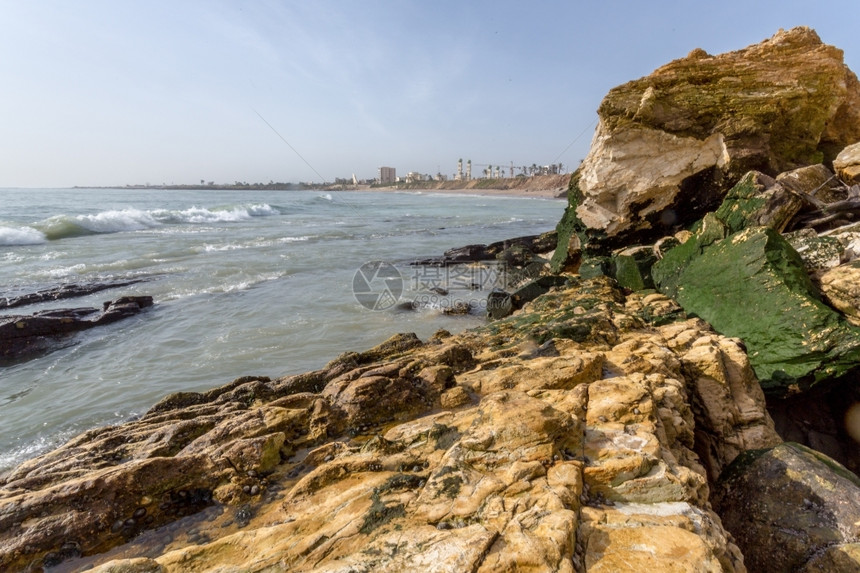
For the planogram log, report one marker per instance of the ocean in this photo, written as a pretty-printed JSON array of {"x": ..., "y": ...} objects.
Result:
[{"x": 265, "y": 283}]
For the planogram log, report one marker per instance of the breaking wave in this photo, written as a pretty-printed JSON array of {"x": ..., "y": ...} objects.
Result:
[
  {"x": 129, "y": 220},
  {"x": 21, "y": 236}
]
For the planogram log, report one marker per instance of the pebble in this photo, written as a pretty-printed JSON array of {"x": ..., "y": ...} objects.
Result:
[{"x": 255, "y": 489}]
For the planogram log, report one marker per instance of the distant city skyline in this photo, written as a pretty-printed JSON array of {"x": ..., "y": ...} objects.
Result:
[{"x": 106, "y": 93}]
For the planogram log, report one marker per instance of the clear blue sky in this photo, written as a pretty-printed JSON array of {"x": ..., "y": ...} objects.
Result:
[{"x": 115, "y": 92}]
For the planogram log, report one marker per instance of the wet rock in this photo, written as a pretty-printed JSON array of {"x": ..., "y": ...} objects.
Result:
[
  {"x": 518, "y": 251},
  {"x": 458, "y": 308},
  {"x": 60, "y": 292},
  {"x": 499, "y": 304},
  {"x": 787, "y": 504},
  {"x": 535, "y": 288},
  {"x": 25, "y": 335}
]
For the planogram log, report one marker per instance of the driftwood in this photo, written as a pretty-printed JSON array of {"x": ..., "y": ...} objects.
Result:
[{"x": 822, "y": 216}]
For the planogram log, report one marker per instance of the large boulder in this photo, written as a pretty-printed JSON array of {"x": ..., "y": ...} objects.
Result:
[
  {"x": 668, "y": 145},
  {"x": 791, "y": 507},
  {"x": 752, "y": 285}
]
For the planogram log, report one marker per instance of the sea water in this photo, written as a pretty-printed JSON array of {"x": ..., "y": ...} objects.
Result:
[{"x": 244, "y": 283}]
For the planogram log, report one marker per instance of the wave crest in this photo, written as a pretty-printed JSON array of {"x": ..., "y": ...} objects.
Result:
[
  {"x": 127, "y": 220},
  {"x": 21, "y": 236}
]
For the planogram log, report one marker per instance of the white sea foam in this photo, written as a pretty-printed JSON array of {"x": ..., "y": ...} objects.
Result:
[
  {"x": 21, "y": 236},
  {"x": 116, "y": 221},
  {"x": 217, "y": 215}
]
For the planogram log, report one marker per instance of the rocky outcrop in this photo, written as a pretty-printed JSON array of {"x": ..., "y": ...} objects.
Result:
[
  {"x": 669, "y": 145},
  {"x": 26, "y": 335},
  {"x": 574, "y": 435},
  {"x": 518, "y": 251},
  {"x": 60, "y": 292}
]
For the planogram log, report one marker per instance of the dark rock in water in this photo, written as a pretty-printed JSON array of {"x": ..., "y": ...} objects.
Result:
[
  {"x": 458, "y": 308},
  {"x": 25, "y": 335},
  {"x": 517, "y": 256},
  {"x": 753, "y": 285},
  {"x": 532, "y": 244},
  {"x": 467, "y": 253},
  {"x": 71, "y": 290},
  {"x": 499, "y": 304},
  {"x": 786, "y": 505}
]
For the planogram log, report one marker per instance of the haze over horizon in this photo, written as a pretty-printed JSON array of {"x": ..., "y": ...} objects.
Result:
[{"x": 108, "y": 93}]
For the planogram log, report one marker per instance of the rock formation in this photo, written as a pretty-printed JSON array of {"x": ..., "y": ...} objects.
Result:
[
  {"x": 668, "y": 145},
  {"x": 562, "y": 438},
  {"x": 59, "y": 292},
  {"x": 26, "y": 335}
]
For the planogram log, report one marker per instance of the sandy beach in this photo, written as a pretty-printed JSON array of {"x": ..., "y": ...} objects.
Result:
[{"x": 538, "y": 187}]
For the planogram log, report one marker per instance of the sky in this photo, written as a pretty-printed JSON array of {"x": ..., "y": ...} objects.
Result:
[{"x": 121, "y": 92}]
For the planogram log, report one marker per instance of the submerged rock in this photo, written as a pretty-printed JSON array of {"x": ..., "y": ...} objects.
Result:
[
  {"x": 64, "y": 291},
  {"x": 26, "y": 335}
]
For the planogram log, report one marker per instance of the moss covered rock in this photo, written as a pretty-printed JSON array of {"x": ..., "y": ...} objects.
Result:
[{"x": 753, "y": 285}]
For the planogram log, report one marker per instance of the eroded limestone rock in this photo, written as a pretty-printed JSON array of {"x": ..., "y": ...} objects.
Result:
[
  {"x": 563, "y": 437},
  {"x": 847, "y": 164}
]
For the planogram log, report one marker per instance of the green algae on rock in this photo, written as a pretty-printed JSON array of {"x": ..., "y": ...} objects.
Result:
[{"x": 753, "y": 285}]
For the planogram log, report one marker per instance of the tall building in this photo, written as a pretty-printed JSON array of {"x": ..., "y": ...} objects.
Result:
[{"x": 387, "y": 175}]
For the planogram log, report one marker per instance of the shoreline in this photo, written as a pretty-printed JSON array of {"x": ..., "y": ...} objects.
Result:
[{"x": 556, "y": 194}]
